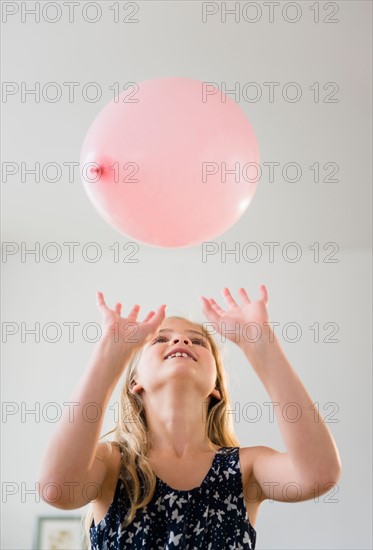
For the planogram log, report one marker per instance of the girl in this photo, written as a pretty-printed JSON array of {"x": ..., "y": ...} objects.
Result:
[{"x": 175, "y": 476}]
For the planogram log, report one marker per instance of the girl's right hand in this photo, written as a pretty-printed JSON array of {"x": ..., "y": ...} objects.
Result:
[{"x": 126, "y": 333}]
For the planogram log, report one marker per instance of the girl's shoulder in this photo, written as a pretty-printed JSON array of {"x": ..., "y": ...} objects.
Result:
[{"x": 111, "y": 456}]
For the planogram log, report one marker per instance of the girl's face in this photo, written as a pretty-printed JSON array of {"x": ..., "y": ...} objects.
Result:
[{"x": 197, "y": 372}]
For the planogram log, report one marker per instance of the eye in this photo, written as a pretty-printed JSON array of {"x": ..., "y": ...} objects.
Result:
[
  {"x": 159, "y": 338},
  {"x": 201, "y": 342}
]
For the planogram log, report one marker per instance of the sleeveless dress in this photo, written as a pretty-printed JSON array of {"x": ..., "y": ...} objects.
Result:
[{"x": 210, "y": 517}]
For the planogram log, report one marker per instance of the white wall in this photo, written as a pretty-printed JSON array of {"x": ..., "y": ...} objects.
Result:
[
  {"x": 171, "y": 40},
  {"x": 337, "y": 375}
]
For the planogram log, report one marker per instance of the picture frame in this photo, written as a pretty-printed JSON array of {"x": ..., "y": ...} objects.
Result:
[{"x": 59, "y": 533}]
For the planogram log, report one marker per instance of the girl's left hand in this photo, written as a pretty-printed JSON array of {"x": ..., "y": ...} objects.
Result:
[{"x": 242, "y": 324}]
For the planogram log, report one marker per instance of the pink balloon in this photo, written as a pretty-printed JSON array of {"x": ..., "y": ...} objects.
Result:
[{"x": 170, "y": 163}]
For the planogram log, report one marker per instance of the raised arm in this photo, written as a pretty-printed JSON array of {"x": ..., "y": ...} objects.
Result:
[
  {"x": 74, "y": 457},
  {"x": 312, "y": 462}
]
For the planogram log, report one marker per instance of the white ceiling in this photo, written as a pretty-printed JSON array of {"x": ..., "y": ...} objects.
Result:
[{"x": 170, "y": 39}]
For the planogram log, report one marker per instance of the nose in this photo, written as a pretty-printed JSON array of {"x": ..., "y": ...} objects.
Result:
[{"x": 184, "y": 339}]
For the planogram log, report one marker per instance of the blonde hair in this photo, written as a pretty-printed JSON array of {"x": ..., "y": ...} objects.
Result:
[{"x": 132, "y": 435}]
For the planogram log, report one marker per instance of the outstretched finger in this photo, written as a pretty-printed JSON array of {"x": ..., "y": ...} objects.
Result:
[
  {"x": 100, "y": 300},
  {"x": 158, "y": 315},
  {"x": 209, "y": 311},
  {"x": 118, "y": 308},
  {"x": 229, "y": 298},
  {"x": 264, "y": 294},
  {"x": 244, "y": 296},
  {"x": 134, "y": 312},
  {"x": 149, "y": 316},
  {"x": 216, "y": 307}
]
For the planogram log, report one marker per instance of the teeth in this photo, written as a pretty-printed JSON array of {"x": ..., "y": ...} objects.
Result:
[{"x": 178, "y": 354}]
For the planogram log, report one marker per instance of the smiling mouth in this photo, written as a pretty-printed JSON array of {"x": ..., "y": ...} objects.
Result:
[
  {"x": 178, "y": 357},
  {"x": 179, "y": 353}
]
